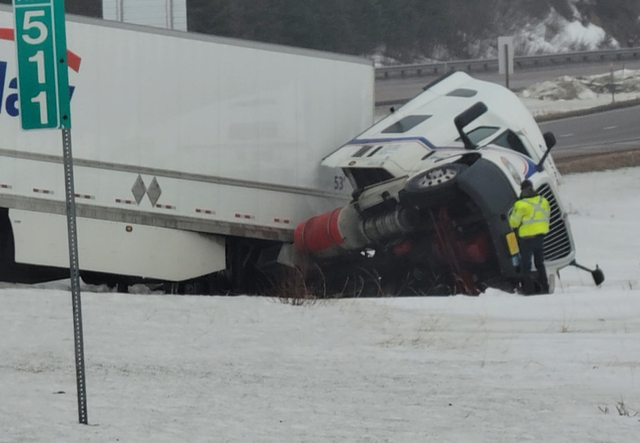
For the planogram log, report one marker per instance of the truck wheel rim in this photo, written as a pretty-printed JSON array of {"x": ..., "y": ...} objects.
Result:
[{"x": 437, "y": 177}]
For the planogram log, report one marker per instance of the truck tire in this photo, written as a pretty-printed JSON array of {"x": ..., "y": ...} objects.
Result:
[{"x": 434, "y": 186}]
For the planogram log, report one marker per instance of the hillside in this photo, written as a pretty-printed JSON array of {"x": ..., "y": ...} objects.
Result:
[
  {"x": 409, "y": 30},
  {"x": 89, "y": 8}
]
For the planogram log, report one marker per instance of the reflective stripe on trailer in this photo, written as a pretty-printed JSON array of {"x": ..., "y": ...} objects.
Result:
[
  {"x": 166, "y": 207},
  {"x": 42, "y": 191},
  {"x": 126, "y": 202},
  {"x": 205, "y": 211},
  {"x": 246, "y": 216}
]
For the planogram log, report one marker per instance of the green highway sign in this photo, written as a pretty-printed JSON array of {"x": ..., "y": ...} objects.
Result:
[
  {"x": 43, "y": 79},
  {"x": 43, "y": 90}
]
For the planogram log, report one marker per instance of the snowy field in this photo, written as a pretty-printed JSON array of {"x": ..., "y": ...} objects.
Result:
[
  {"x": 566, "y": 94},
  {"x": 495, "y": 368}
]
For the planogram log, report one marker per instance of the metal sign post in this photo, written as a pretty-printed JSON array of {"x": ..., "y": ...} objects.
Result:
[
  {"x": 505, "y": 57},
  {"x": 613, "y": 86},
  {"x": 506, "y": 73},
  {"x": 43, "y": 90},
  {"x": 74, "y": 268}
]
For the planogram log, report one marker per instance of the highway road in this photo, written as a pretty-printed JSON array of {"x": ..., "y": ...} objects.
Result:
[
  {"x": 609, "y": 131},
  {"x": 400, "y": 90}
]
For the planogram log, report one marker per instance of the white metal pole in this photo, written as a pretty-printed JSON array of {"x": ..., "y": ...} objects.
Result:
[
  {"x": 119, "y": 11},
  {"x": 169, "y": 14}
]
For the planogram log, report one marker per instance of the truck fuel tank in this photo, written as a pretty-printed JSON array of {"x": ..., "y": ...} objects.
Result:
[{"x": 344, "y": 229}]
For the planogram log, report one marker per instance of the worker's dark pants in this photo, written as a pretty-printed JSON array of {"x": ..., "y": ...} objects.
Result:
[{"x": 533, "y": 248}]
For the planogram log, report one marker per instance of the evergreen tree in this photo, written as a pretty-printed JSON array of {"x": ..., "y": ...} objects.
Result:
[
  {"x": 210, "y": 16},
  {"x": 620, "y": 18},
  {"x": 89, "y": 8}
]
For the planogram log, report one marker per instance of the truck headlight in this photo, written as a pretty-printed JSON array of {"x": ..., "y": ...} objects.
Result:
[{"x": 512, "y": 170}]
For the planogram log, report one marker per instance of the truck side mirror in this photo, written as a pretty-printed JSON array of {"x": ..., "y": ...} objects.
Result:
[
  {"x": 467, "y": 117},
  {"x": 550, "y": 141}
]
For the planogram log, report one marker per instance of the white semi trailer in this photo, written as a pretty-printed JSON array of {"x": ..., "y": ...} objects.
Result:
[{"x": 195, "y": 156}]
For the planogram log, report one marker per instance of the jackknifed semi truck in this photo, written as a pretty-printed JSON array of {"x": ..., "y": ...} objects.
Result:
[{"x": 210, "y": 165}]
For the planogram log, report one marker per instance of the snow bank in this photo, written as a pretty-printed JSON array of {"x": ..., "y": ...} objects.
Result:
[
  {"x": 566, "y": 93},
  {"x": 556, "y": 34},
  {"x": 495, "y": 368}
]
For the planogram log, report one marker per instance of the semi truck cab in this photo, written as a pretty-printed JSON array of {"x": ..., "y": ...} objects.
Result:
[{"x": 433, "y": 186}]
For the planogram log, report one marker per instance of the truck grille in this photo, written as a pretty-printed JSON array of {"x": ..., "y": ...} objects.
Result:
[{"x": 557, "y": 243}]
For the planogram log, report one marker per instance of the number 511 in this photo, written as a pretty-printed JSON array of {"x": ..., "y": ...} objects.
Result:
[{"x": 41, "y": 34}]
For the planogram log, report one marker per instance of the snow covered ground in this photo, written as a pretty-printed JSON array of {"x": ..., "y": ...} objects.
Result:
[
  {"x": 495, "y": 368},
  {"x": 567, "y": 93}
]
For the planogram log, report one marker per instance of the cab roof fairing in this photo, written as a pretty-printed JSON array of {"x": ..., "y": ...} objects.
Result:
[{"x": 505, "y": 111}]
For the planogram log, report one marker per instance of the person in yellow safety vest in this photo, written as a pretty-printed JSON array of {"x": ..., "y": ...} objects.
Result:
[{"x": 530, "y": 218}]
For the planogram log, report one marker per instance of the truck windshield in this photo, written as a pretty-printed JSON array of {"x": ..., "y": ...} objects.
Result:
[
  {"x": 510, "y": 140},
  {"x": 478, "y": 134}
]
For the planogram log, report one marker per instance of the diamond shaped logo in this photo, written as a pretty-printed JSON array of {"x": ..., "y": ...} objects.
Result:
[
  {"x": 154, "y": 192},
  {"x": 139, "y": 189}
]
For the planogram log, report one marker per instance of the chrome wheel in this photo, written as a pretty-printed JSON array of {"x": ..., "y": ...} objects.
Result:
[{"x": 437, "y": 177}]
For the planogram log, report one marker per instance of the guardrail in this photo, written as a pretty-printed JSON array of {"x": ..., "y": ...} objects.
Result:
[{"x": 522, "y": 62}]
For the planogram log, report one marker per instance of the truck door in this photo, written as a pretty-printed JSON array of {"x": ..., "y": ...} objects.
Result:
[
  {"x": 510, "y": 140},
  {"x": 507, "y": 139}
]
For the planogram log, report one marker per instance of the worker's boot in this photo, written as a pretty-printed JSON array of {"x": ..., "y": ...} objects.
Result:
[
  {"x": 528, "y": 285},
  {"x": 543, "y": 282}
]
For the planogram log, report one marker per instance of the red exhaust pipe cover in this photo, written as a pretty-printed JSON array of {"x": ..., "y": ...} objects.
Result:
[{"x": 318, "y": 233}]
